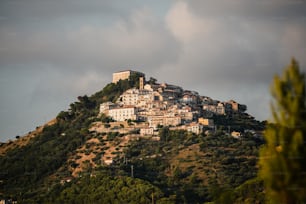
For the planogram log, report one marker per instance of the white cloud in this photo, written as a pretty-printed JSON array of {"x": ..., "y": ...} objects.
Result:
[
  {"x": 185, "y": 25},
  {"x": 233, "y": 50}
]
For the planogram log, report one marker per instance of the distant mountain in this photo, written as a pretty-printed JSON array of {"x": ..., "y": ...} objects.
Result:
[{"x": 208, "y": 153}]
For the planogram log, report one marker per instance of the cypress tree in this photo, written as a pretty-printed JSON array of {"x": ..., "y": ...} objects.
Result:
[{"x": 283, "y": 158}]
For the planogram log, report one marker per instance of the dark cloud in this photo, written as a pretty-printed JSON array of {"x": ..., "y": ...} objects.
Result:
[
  {"x": 18, "y": 11},
  {"x": 248, "y": 9},
  {"x": 139, "y": 40},
  {"x": 54, "y": 66}
]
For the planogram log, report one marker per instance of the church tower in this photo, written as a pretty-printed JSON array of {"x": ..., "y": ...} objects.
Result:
[{"x": 141, "y": 83}]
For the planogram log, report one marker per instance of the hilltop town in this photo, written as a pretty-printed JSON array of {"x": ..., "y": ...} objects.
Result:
[
  {"x": 135, "y": 128},
  {"x": 160, "y": 105},
  {"x": 147, "y": 108}
]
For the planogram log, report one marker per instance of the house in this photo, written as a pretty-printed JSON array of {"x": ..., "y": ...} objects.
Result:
[
  {"x": 146, "y": 131},
  {"x": 195, "y": 128},
  {"x": 206, "y": 122},
  {"x": 236, "y": 134},
  {"x": 220, "y": 109},
  {"x": 129, "y": 97},
  {"x": 190, "y": 97},
  {"x": 153, "y": 87},
  {"x": 210, "y": 107},
  {"x": 108, "y": 161},
  {"x": 8, "y": 201}
]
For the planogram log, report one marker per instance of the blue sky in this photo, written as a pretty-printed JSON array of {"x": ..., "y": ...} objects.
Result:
[{"x": 53, "y": 51}]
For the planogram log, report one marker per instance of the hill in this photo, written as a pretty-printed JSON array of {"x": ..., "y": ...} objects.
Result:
[
  {"x": 70, "y": 157},
  {"x": 23, "y": 140}
]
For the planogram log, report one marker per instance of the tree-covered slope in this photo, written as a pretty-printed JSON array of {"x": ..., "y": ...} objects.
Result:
[
  {"x": 103, "y": 188},
  {"x": 180, "y": 167},
  {"x": 25, "y": 171},
  {"x": 194, "y": 168}
]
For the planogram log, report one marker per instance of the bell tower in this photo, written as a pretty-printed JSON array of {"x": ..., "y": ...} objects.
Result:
[{"x": 141, "y": 83}]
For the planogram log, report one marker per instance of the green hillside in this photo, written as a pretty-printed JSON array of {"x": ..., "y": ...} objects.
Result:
[{"x": 181, "y": 167}]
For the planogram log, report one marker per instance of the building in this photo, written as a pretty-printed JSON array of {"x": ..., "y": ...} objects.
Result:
[
  {"x": 104, "y": 107},
  {"x": 236, "y": 134},
  {"x": 130, "y": 97},
  {"x": 123, "y": 113},
  {"x": 146, "y": 131},
  {"x": 8, "y": 201},
  {"x": 122, "y": 75},
  {"x": 108, "y": 161},
  {"x": 190, "y": 97},
  {"x": 195, "y": 128},
  {"x": 136, "y": 97},
  {"x": 210, "y": 107},
  {"x": 220, "y": 109},
  {"x": 237, "y": 107},
  {"x": 206, "y": 122},
  {"x": 154, "y": 121}
]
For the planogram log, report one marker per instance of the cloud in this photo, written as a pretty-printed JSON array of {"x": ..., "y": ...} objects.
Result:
[
  {"x": 53, "y": 51},
  {"x": 234, "y": 49},
  {"x": 54, "y": 66},
  {"x": 139, "y": 40}
]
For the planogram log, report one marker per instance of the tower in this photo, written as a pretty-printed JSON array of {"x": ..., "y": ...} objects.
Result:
[{"x": 141, "y": 83}]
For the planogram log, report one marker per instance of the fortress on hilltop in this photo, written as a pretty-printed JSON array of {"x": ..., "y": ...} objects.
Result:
[{"x": 122, "y": 75}]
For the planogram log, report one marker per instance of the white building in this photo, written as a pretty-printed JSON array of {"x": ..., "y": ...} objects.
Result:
[
  {"x": 130, "y": 97},
  {"x": 104, "y": 107},
  {"x": 136, "y": 97},
  {"x": 123, "y": 113},
  {"x": 146, "y": 131},
  {"x": 195, "y": 128}
]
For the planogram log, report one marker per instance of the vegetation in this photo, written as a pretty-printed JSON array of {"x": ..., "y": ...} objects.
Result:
[
  {"x": 26, "y": 171},
  {"x": 282, "y": 162},
  {"x": 194, "y": 168},
  {"x": 180, "y": 168},
  {"x": 250, "y": 192},
  {"x": 106, "y": 189}
]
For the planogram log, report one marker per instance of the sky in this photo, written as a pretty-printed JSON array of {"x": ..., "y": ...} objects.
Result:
[{"x": 52, "y": 51}]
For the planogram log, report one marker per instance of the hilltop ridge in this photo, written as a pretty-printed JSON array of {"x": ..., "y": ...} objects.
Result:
[
  {"x": 25, "y": 139},
  {"x": 166, "y": 136}
]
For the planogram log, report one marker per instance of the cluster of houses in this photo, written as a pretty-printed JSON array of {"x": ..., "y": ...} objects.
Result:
[{"x": 165, "y": 105}]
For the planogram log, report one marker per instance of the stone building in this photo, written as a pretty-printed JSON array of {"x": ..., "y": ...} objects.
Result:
[{"x": 122, "y": 75}]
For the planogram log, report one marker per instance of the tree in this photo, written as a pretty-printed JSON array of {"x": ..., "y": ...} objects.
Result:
[
  {"x": 164, "y": 133},
  {"x": 283, "y": 158},
  {"x": 152, "y": 80}
]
